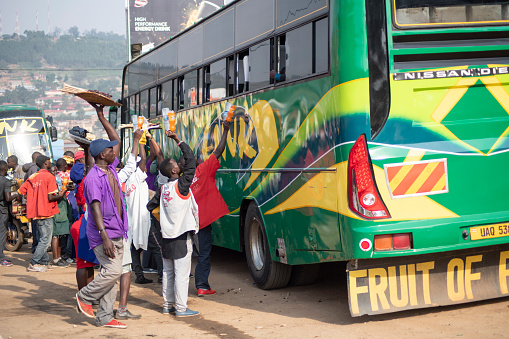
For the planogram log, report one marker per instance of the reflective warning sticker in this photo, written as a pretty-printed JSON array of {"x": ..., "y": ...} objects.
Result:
[{"x": 417, "y": 178}]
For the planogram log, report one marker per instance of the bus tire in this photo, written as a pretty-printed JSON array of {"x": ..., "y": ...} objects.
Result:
[
  {"x": 14, "y": 238},
  {"x": 304, "y": 274},
  {"x": 267, "y": 274}
]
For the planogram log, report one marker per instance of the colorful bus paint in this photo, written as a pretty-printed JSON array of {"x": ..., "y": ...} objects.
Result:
[{"x": 394, "y": 152}]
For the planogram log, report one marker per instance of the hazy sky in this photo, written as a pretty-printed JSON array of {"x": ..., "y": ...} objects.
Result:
[{"x": 102, "y": 15}]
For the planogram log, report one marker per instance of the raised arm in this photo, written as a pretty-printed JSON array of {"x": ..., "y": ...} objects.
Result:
[
  {"x": 143, "y": 155},
  {"x": 186, "y": 179},
  {"x": 156, "y": 150},
  {"x": 130, "y": 166},
  {"x": 110, "y": 130},
  {"x": 222, "y": 143}
]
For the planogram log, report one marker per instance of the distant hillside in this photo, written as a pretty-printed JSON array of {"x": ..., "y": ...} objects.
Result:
[{"x": 35, "y": 50}]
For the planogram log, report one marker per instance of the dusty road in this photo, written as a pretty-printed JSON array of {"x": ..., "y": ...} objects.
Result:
[{"x": 42, "y": 305}]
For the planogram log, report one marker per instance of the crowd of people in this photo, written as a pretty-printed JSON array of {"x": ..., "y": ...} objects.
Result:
[{"x": 90, "y": 209}]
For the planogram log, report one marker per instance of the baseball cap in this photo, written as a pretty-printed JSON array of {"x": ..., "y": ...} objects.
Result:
[
  {"x": 40, "y": 160},
  {"x": 78, "y": 155},
  {"x": 99, "y": 145}
]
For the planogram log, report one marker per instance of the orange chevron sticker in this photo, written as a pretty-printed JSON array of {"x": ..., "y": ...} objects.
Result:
[{"x": 417, "y": 178}]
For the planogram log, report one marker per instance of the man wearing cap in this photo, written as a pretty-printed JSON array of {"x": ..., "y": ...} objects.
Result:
[
  {"x": 107, "y": 225},
  {"x": 42, "y": 204}
]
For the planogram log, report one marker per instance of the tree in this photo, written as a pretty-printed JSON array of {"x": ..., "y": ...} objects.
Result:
[
  {"x": 74, "y": 32},
  {"x": 80, "y": 113},
  {"x": 50, "y": 78}
]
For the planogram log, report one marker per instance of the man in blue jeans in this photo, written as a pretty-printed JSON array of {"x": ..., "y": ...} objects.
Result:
[
  {"x": 211, "y": 207},
  {"x": 42, "y": 204}
]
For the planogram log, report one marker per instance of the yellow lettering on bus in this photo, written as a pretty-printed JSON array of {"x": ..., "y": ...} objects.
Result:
[
  {"x": 459, "y": 294},
  {"x": 393, "y": 286},
  {"x": 425, "y": 267},
  {"x": 231, "y": 142},
  {"x": 469, "y": 276},
  {"x": 377, "y": 291},
  {"x": 25, "y": 127},
  {"x": 243, "y": 140},
  {"x": 412, "y": 285},
  {"x": 5, "y": 125},
  {"x": 503, "y": 272},
  {"x": 356, "y": 290}
]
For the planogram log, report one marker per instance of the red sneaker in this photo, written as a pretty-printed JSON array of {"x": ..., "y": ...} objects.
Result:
[
  {"x": 115, "y": 324},
  {"x": 84, "y": 308},
  {"x": 202, "y": 292}
]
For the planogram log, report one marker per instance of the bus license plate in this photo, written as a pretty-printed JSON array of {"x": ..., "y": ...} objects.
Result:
[{"x": 489, "y": 231}]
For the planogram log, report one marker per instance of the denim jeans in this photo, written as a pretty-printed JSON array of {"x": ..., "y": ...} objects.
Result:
[
  {"x": 202, "y": 269},
  {"x": 45, "y": 231},
  {"x": 35, "y": 235}
]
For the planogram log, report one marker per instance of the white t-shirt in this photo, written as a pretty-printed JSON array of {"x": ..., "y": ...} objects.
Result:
[{"x": 136, "y": 193}]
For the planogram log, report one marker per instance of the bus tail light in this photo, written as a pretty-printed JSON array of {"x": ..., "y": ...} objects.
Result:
[
  {"x": 363, "y": 196},
  {"x": 389, "y": 242}
]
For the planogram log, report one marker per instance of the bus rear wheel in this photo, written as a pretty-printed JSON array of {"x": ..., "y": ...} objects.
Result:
[
  {"x": 14, "y": 238},
  {"x": 267, "y": 274}
]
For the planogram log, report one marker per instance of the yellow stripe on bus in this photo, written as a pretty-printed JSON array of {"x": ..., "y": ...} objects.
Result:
[
  {"x": 422, "y": 177},
  {"x": 398, "y": 178},
  {"x": 439, "y": 185}
]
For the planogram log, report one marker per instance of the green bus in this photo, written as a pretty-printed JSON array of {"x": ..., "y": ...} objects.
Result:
[{"x": 366, "y": 131}]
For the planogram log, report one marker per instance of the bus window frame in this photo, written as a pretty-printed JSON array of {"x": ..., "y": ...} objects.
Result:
[{"x": 438, "y": 25}]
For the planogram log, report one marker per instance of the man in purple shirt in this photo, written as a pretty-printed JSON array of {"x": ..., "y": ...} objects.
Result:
[{"x": 106, "y": 226}]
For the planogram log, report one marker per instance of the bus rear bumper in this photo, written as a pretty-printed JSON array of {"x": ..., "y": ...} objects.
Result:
[{"x": 385, "y": 285}]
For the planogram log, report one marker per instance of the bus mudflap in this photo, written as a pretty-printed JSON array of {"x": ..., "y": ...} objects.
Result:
[{"x": 386, "y": 285}]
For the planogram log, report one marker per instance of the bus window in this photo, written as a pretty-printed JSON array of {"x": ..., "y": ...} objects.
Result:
[
  {"x": 167, "y": 95},
  {"x": 231, "y": 75},
  {"x": 243, "y": 72},
  {"x": 190, "y": 89},
  {"x": 175, "y": 85},
  {"x": 215, "y": 81},
  {"x": 144, "y": 104},
  {"x": 137, "y": 104},
  {"x": 153, "y": 102},
  {"x": 321, "y": 46},
  {"x": 259, "y": 66},
  {"x": 295, "y": 54},
  {"x": 132, "y": 105},
  {"x": 181, "y": 93}
]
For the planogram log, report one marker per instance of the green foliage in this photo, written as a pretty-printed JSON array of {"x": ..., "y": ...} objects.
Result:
[
  {"x": 92, "y": 50},
  {"x": 73, "y": 57}
]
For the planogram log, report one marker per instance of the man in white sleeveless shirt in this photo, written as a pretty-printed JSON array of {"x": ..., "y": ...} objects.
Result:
[{"x": 179, "y": 226}]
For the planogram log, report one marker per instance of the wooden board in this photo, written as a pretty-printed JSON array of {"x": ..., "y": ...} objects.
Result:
[{"x": 89, "y": 96}]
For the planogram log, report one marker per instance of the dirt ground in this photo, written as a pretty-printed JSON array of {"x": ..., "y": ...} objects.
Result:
[{"x": 42, "y": 305}]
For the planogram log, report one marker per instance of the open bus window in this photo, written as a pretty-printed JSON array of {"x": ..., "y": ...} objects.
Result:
[
  {"x": 231, "y": 75},
  {"x": 243, "y": 72},
  {"x": 450, "y": 12},
  {"x": 215, "y": 81}
]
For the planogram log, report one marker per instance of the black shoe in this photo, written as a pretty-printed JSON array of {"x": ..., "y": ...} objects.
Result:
[
  {"x": 125, "y": 315},
  {"x": 159, "y": 280},
  {"x": 142, "y": 280},
  {"x": 61, "y": 263}
]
